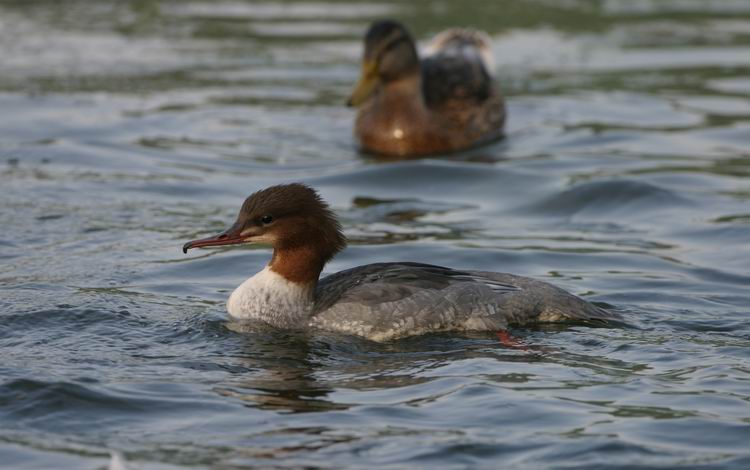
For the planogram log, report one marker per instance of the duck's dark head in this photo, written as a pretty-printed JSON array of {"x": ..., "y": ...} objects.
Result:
[
  {"x": 295, "y": 221},
  {"x": 390, "y": 54}
]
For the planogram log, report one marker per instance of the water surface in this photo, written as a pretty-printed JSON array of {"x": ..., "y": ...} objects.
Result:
[{"x": 131, "y": 127}]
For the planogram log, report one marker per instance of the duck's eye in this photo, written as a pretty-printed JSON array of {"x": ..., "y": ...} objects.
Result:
[{"x": 266, "y": 219}]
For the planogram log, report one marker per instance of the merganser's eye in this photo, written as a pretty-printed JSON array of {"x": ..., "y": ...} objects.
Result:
[{"x": 266, "y": 219}]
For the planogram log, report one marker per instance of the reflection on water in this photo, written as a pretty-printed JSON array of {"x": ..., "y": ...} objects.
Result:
[{"x": 130, "y": 127}]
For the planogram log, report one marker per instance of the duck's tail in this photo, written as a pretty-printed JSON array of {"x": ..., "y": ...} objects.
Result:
[{"x": 471, "y": 43}]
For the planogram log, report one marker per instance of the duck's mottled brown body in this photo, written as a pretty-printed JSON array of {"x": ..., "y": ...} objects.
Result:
[{"x": 445, "y": 102}]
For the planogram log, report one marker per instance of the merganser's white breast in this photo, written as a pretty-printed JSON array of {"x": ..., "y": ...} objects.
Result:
[{"x": 270, "y": 297}]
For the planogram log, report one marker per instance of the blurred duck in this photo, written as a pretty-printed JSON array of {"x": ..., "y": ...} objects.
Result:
[
  {"x": 444, "y": 102},
  {"x": 381, "y": 301}
]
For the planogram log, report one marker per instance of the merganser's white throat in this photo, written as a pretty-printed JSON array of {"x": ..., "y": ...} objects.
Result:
[{"x": 271, "y": 298}]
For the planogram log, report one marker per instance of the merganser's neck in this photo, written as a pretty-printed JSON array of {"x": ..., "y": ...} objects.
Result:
[{"x": 300, "y": 264}]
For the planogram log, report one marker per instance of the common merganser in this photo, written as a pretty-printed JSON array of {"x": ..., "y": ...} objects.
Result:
[
  {"x": 444, "y": 102},
  {"x": 380, "y": 301}
]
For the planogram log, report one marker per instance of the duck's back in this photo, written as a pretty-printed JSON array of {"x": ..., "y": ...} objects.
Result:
[
  {"x": 390, "y": 300},
  {"x": 457, "y": 84},
  {"x": 458, "y": 66}
]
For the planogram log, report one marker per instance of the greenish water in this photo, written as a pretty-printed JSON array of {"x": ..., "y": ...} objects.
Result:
[{"x": 130, "y": 127}]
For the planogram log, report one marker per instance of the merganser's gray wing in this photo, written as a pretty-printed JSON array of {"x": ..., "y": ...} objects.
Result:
[{"x": 389, "y": 300}]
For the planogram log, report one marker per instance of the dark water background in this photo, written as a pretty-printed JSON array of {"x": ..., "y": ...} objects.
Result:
[{"x": 129, "y": 127}]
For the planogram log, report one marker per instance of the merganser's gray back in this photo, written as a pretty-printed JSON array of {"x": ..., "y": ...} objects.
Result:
[{"x": 389, "y": 300}]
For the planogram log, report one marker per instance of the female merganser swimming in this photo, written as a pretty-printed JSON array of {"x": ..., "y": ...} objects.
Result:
[
  {"x": 444, "y": 102},
  {"x": 380, "y": 301}
]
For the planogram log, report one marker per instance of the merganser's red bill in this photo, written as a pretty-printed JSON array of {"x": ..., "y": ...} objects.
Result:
[{"x": 231, "y": 236}]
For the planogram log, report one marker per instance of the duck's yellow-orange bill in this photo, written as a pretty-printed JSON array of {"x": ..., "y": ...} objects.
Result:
[{"x": 365, "y": 85}]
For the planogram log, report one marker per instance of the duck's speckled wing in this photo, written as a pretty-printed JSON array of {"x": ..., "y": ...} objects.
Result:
[
  {"x": 447, "y": 78},
  {"x": 390, "y": 300},
  {"x": 457, "y": 83}
]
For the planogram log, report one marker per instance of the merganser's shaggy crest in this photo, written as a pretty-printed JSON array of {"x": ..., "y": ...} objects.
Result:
[
  {"x": 443, "y": 102},
  {"x": 379, "y": 301}
]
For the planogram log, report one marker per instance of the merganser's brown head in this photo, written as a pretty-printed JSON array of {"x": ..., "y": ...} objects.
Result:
[
  {"x": 295, "y": 221},
  {"x": 390, "y": 54}
]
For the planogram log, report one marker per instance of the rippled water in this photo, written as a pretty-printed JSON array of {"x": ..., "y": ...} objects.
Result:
[{"x": 130, "y": 127}]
